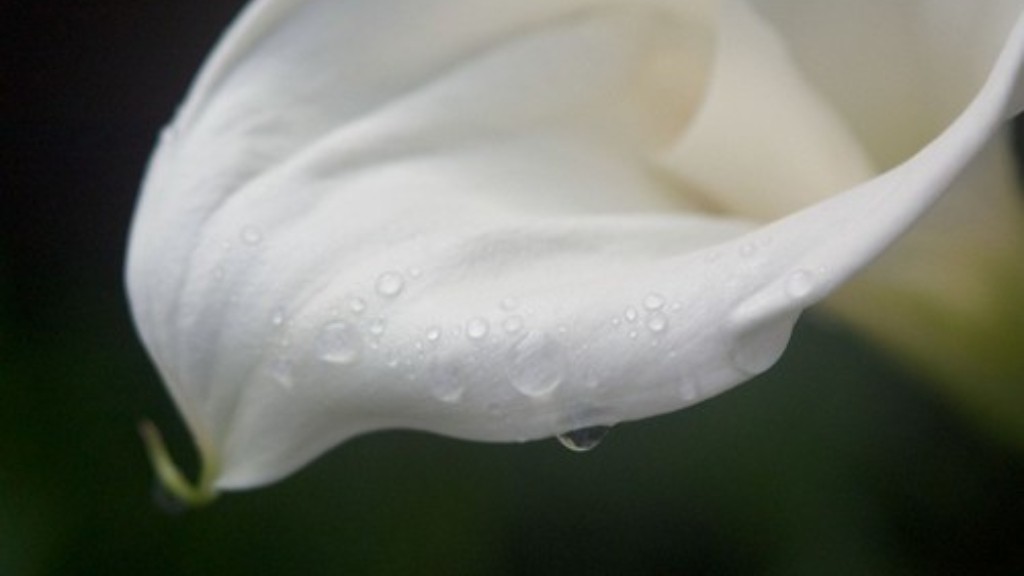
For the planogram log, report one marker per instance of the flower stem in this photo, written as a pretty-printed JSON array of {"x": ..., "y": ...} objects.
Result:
[{"x": 168, "y": 474}]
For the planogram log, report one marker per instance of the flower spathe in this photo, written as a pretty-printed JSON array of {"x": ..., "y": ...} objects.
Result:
[{"x": 503, "y": 221}]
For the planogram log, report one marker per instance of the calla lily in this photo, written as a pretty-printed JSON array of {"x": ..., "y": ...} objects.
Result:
[{"x": 505, "y": 221}]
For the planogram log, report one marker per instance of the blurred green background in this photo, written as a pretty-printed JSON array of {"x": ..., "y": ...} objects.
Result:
[{"x": 836, "y": 462}]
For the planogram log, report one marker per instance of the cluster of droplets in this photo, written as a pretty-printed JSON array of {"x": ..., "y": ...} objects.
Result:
[{"x": 652, "y": 315}]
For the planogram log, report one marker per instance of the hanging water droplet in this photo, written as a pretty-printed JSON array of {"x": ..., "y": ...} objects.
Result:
[
  {"x": 390, "y": 284},
  {"x": 657, "y": 322},
  {"x": 584, "y": 439},
  {"x": 477, "y": 328},
  {"x": 631, "y": 314},
  {"x": 338, "y": 343},
  {"x": 513, "y": 324},
  {"x": 251, "y": 235},
  {"x": 800, "y": 284},
  {"x": 433, "y": 333},
  {"x": 378, "y": 326},
  {"x": 654, "y": 301},
  {"x": 357, "y": 305},
  {"x": 509, "y": 304},
  {"x": 537, "y": 366}
]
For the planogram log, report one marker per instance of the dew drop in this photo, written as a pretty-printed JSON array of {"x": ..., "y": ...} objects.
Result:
[
  {"x": 357, "y": 305},
  {"x": 584, "y": 439},
  {"x": 688, "y": 392},
  {"x": 338, "y": 343},
  {"x": 537, "y": 365},
  {"x": 251, "y": 235},
  {"x": 447, "y": 382},
  {"x": 378, "y": 326},
  {"x": 657, "y": 322},
  {"x": 433, "y": 333},
  {"x": 633, "y": 334},
  {"x": 631, "y": 314},
  {"x": 800, "y": 284},
  {"x": 277, "y": 317},
  {"x": 448, "y": 390},
  {"x": 390, "y": 284},
  {"x": 513, "y": 324},
  {"x": 477, "y": 328},
  {"x": 654, "y": 301}
]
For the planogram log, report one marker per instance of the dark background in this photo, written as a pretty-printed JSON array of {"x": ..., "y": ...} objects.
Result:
[{"x": 836, "y": 462}]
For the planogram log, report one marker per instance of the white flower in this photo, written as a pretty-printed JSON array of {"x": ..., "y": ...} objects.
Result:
[{"x": 504, "y": 221}]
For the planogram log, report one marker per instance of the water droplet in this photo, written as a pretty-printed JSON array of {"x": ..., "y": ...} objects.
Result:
[
  {"x": 338, "y": 343},
  {"x": 657, "y": 322},
  {"x": 477, "y": 328},
  {"x": 277, "y": 316},
  {"x": 800, "y": 284},
  {"x": 633, "y": 334},
  {"x": 448, "y": 382},
  {"x": 378, "y": 326},
  {"x": 654, "y": 301},
  {"x": 584, "y": 439},
  {"x": 448, "y": 390},
  {"x": 513, "y": 324},
  {"x": 390, "y": 284},
  {"x": 631, "y": 314},
  {"x": 509, "y": 304},
  {"x": 433, "y": 333},
  {"x": 675, "y": 307},
  {"x": 251, "y": 235},
  {"x": 357, "y": 305},
  {"x": 616, "y": 321},
  {"x": 688, "y": 392},
  {"x": 538, "y": 365}
]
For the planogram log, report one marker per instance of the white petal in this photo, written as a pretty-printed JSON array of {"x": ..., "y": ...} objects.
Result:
[
  {"x": 466, "y": 232},
  {"x": 899, "y": 72},
  {"x": 765, "y": 143}
]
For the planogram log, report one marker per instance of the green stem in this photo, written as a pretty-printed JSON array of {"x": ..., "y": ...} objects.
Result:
[{"x": 168, "y": 474}]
